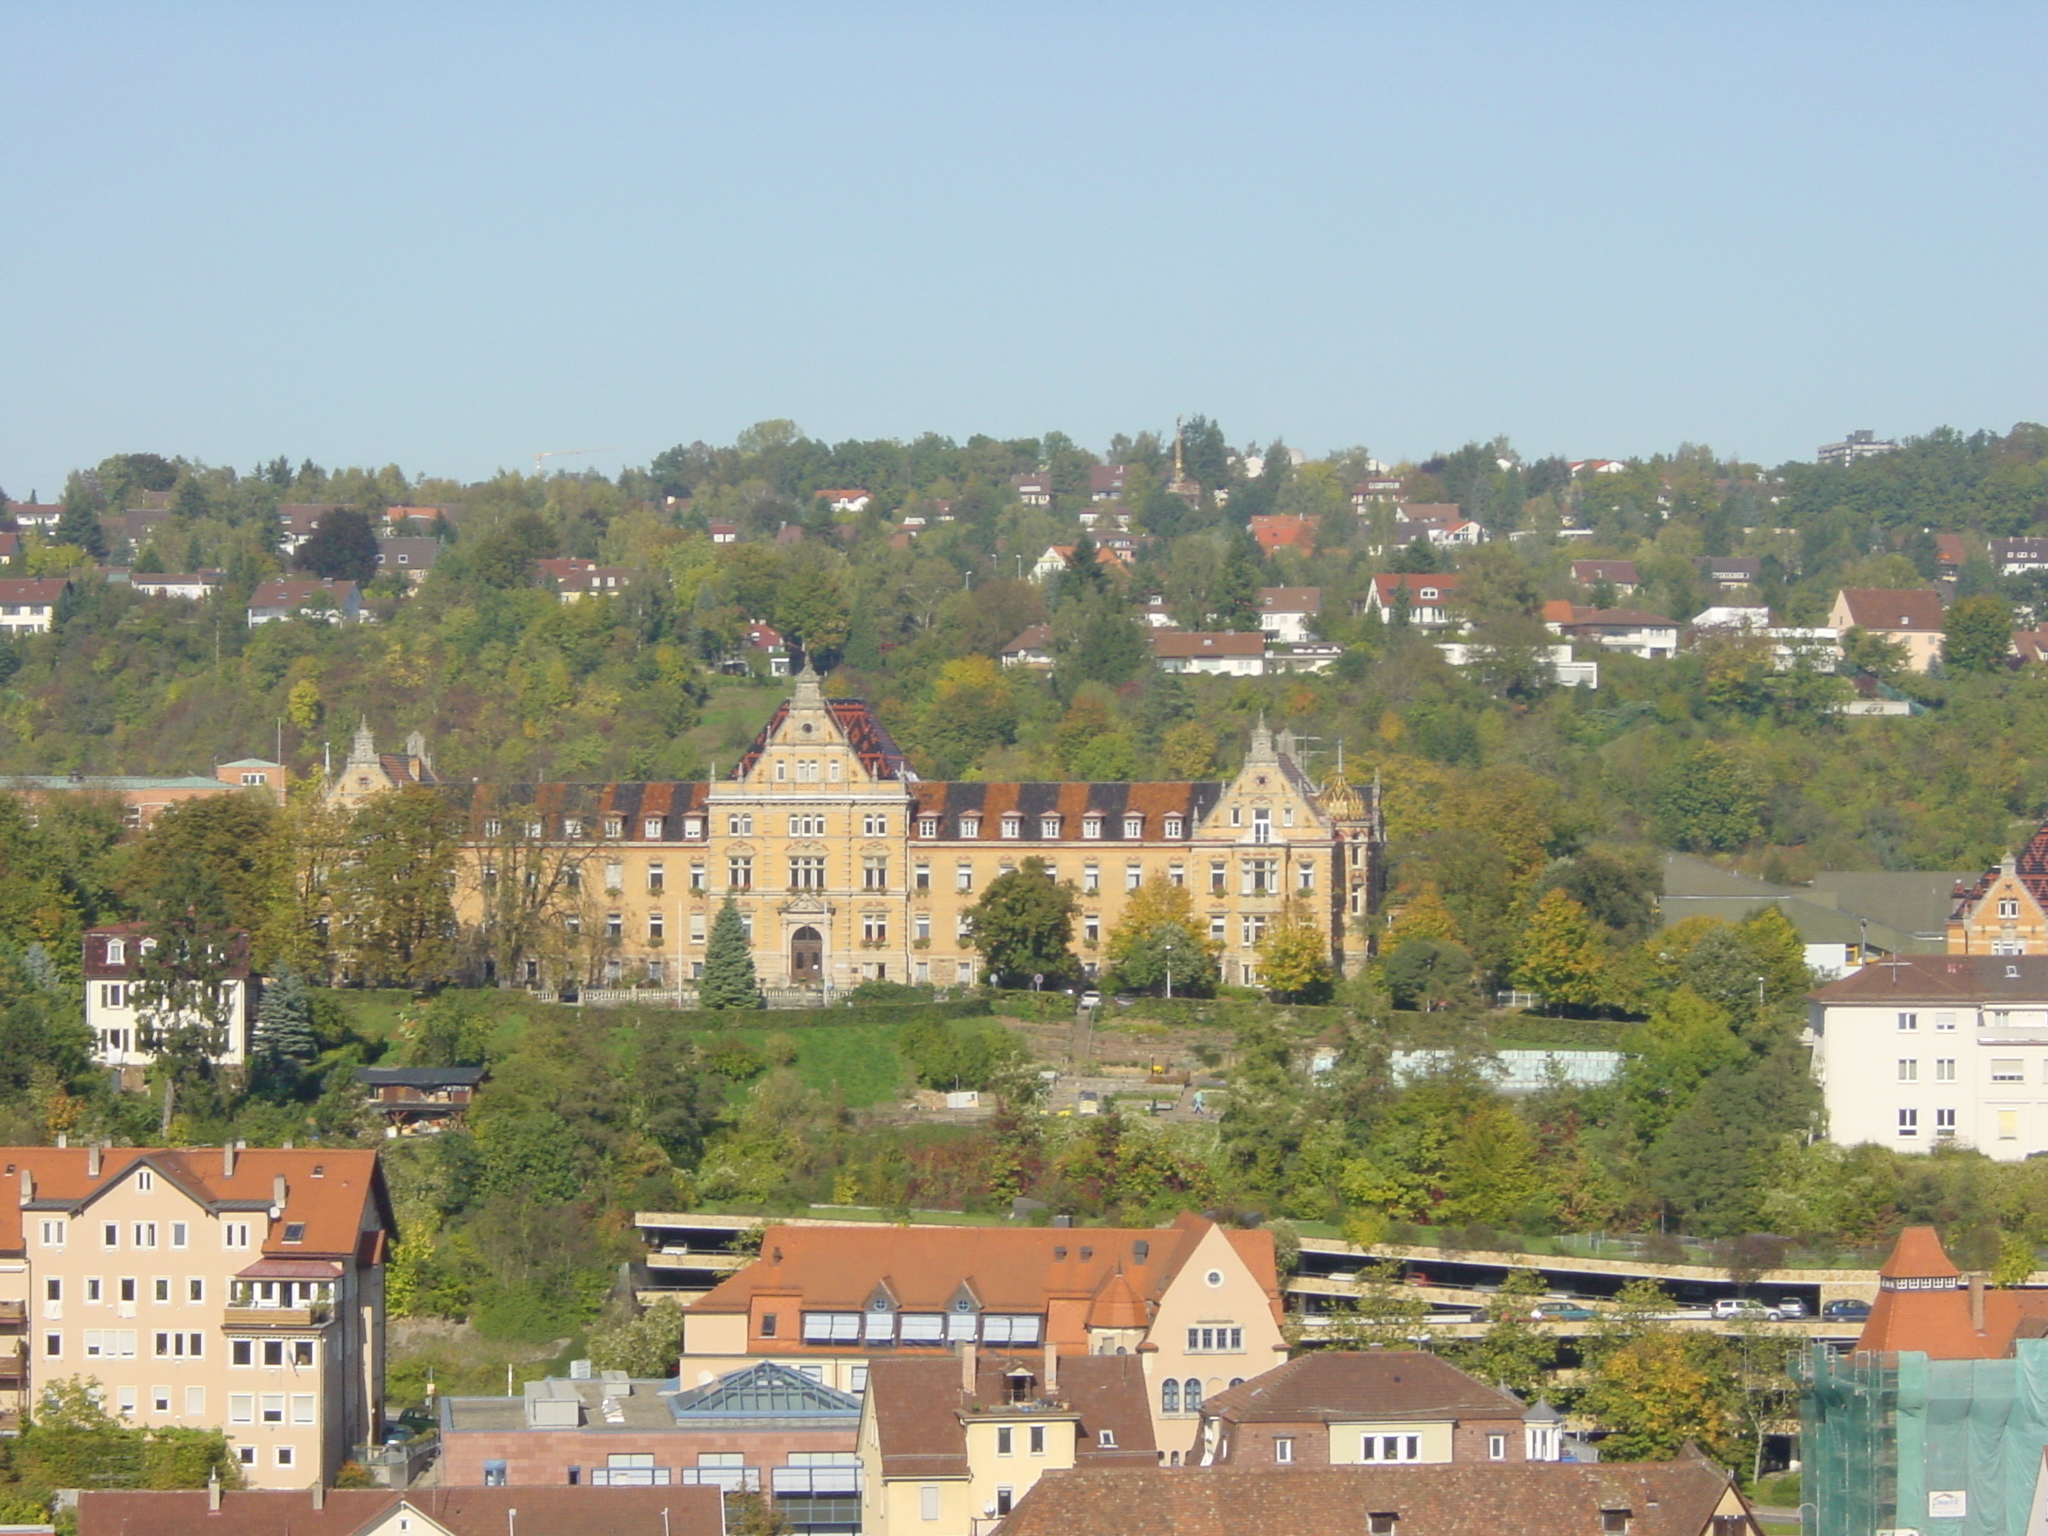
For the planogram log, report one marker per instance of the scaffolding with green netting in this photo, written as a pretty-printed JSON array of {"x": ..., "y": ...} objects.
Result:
[{"x": 1904, "y": 1443}]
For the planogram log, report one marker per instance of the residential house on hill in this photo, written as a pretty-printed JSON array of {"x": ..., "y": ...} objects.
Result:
[
  {"x": 1058, "y": 557},
  {"x": 1429, "y": 602},
  {"x": 844, "y": 499},
  {"x": 1648, "y": 635},
  {"x": 409, "y": 557},
  {"x": 1618, "y": 574},
  {"x": 1032, "y": 648},
  {"x": 325, "y": 601},
  {"x": 121, "y": 1015},
  {"x": 209, "y": 1288},
  {"x": 1375, "y": 488},
  {"x": 1283, "y": 531},
  {"x": 947, "y": 1445},
  {"x": 1197, "y": 1305},
  {"x": 1106, "y": 481},
  {"x": 189, "y": 587},
  {"x": 1729, "y": 573},
  {"x": 1910, "y": 617},
  {"x": 1034, "y": 490},
  {"x": 39, "y": 515},
  {"x": 1370, "y": 1408},
  {"x": 1687, "y": 1497},
  {"x": 1218, "y": 653},
  {"x": 29, "y": 607},
  {"x": 297, "y": 521},
  {"x": 575, "y": 579},
  {"x": 2019, "y": 557},
  {"x": 1285, "y": 612}
]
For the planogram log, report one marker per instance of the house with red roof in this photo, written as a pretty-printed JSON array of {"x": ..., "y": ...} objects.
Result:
[
  {"x": 1283, "y": 531},
  {"x": 567, "y": 1510},
  {"x": 1428, "y": 602},
  {"x": 1196, "y": 1305},
  {"x": 1910, "y": 617}
]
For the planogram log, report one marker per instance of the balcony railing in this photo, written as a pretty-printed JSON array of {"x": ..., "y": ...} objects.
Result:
[
  {"x": 317, "y": 1315},
  {"x": 13, "y": 1316}
]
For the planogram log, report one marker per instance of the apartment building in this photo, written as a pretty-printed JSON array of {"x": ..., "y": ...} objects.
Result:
[
  {"x": 847, "y": 867},
  {"x": 1198, "y": 1306},
  {"x": 1922, "y": 1051},
  {"x": 121, "y": 1015},
  {"x": 207, "y": 1288}
]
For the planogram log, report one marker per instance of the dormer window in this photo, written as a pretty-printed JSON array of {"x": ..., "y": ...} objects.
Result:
[
  {"x": 1013, "y": 826},
  {"x": 494, "y": 827},
  {"x": 1173, "y": 825},
  {"x": 536, "y": 830},
  {"x": 927, "y": 826},
  {"x": 1134, "y": 826},
  {"x": 652, "y": 827},
  {"x": 615, "y": 826},
  {"x": 1614, "y": 1522},
  {"x": 970, "y": 826},
  {"x": 1427, "y": 594},
  {"x": 1049, "y": 826},
  {"x": 572, "y": 827},
  {"x": 117, "y": 951}
]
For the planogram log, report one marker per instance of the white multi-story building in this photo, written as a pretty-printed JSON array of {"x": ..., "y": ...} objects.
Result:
[
  {"x": 1924, "y": 1050},
  {"x": 119, "y": 1015}
]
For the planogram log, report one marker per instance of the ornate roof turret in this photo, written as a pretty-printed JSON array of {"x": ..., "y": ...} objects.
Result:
[{"x": 364, "y": 748}]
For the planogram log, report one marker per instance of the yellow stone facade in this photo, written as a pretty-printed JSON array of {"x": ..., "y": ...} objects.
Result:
[{"x": 847, "y": 867}]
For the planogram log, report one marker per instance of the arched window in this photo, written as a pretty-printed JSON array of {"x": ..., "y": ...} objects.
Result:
[
  {"x": 1191, "y": 1394},
  {"x": 1169, "y": 1396}
]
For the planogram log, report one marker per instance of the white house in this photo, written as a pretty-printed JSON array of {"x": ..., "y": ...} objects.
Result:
[
  {"x": 1219, "y": 653},
  {"x": 1923, "y": 1050},
  {"x": 1431, "y": 601},
  {"x": 112, "y": 969},
  {"x": 1564, "y": 670},
  {"x": 329, "y": 602},
  {"x": 1648, "y": 635},
  {"x": 189, "y": 586},
  {"x": 29, "y": 607},
  {"x": 1284, "y": 613}
]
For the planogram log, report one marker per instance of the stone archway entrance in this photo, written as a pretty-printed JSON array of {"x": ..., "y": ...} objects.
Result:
[{"x": 806, "y": 956}]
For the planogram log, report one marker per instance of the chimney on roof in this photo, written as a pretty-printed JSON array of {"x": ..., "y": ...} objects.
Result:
[
  {"x": 967, "y": 1368},
  {"x": 319, "y": 1494},
  {"x": 277, "y": 1194},
  {"x": 1051, "y": 1382},
  {"x": 63, "y": 1140},
  {"x": 227, "y": 1159},
  {"x": 1977, "y": 1300},
  {"x": 92, "y": 1160},
  {"x": 28, "y": 1186},
  {"x": 213, "y": 1492}
]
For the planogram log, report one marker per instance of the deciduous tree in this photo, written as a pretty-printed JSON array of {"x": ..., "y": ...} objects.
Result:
[{"x": 1023, "y": 926}]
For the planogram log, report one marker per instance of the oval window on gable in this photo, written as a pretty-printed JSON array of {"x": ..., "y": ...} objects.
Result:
[{"x": 1214, "y": 1277}]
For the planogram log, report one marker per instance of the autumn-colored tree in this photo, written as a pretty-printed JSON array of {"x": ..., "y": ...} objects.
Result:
[
  {"x": 1294, "y": 955},
  {"x": 1157, "y": 929},
  {"x": 1422, "y": 916},
  {"x": 1491, "y": 1173},
  {"x": 1661, "y": 1389},
  {"x": 1560, "y": 957}
]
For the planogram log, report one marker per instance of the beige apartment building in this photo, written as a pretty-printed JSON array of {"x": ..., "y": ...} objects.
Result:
[
  {"x": 206, "y": 1288},
  {"x": 847, "y": 867}
]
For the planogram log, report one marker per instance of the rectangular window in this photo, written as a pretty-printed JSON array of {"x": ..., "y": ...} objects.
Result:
[
  {"x": 286, "y": 1455},
  {"x": 241, "y": 1351},
  {"x": 1909, "y": 1070},
  {"x": 874, "y": 873},
  {"x": 614, "y": 925},
  {"x": 656, "y": 879},
  {"x": 1218, "y": 873},
  {"x": 874, "y": 826},
  {"x": 1304, "y": 877},
  {"x": 2008, "y": 907},
  {"x": 928, "y": 1502},
  {"x": 921, "y": 877},
  {"x": 1176, "y": 874},
  {"x": 2008, "y": 1070},
  {"x": 655, "y": 929},
  {"x": 572, "y": 827},
  {"x": 241, "y": 1408},
  {"x": 874, "y": 928},
  {"x": 739, "y": 826},
  {"x": 1909, "y": 1021},
  {"x": 1173, "y": 825},
  {"x": 234, "y": 1234},
  {"x": 652, "y": 828},
  {"x": 110, "y": 1234},
  {"x": 1134, "y": 826},
  {"x": 928, "y": 826},
  {"x": 302, "y": 1351},
  {"x": 1496, "y": 1447},
  {"x": 273, "y": 1407},
  {"x": 1944, "y": 1069},
  {"x": 1038, "y": 1439},
  {"x": 195, "y": 1290},
  {"x": 1945, "y": 1123},
  {"x": 1390, "y": 1448},
  {"x": 273, "y": 1351},
  {"x": 180, "y": 1232},
  {"x": 53, "y": 1345},
  {"x": 1134, "y": 876},
  {"x": 53, "y": 1234},
  {"x": 302, "y": 1407},
  {"x": 1003, "y": 1434},
  {"x": 1013, "y": 826},
  {"x": 53, "y": 1289},
  {"x": 2008, "y": 1125},
  {"x": 160, "y": 1288},
  {"x": 1254, "y": 928},
  {"x": 697, "y": 875},
  {"x": 739, "y": 874},
  {"x": 1909, "y": 1122},
  {"x": 921, "y": 927},
  {"x": 1283, "y": 1448},
  {"x": 195, "y": 1402},
  {"x": 963, "y": 877},
  {"x": 970, "y": 826},
  {"x": 696, "y": 927},
  {"x": 1944, "y": 1023}
]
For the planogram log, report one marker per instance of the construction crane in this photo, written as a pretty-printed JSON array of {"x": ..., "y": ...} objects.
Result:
[{"x": 564, "y": 453}]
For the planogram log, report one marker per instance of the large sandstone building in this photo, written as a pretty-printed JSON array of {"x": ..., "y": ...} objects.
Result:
[{"x": 847, "y": 867}]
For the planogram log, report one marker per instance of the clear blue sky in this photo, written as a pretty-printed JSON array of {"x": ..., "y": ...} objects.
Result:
[{"x": 448, "y": 236}]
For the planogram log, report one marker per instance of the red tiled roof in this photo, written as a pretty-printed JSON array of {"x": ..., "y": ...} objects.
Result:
[
  {"x": 1290, "y": 599},
  {"x": 550, "y": 1510},
  {"x": 865, "y": 733},
  {"x": 1328, "y": 1385},
  {"x": 1923, "y": 1305},
  {"x": 1663, "y": 1498},
  {"x": 1387, "y": 583},
  {"x": 1008, "y": 1269},
  {"x": 332, "y": 1204},
  {"x": 1893, "y": 608},
  {"x": 1070, "y": 801},
  {"x": 918, "y": 1404},
  {"x": 18, "y": 589},
  {"x": 1282, "y": 531}
]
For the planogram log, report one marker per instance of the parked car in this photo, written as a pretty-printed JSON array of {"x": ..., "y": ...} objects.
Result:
[
  {"x": 1091, "y": 999},
  {"x": 1560, "y": 1312},
  {"x": 1791, "y": 1307},
  {"x": 1848, "y": 1310},
  {"x": 1740, "y": 1307}
]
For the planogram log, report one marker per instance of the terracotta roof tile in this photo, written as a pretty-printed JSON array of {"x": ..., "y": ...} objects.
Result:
[
  {"x": 1893, "y": 608},
  {"x": 1350, "y": 1384},
  {"x": 1667, "y": 1498},
  {"x": 557, "y": 1511}
]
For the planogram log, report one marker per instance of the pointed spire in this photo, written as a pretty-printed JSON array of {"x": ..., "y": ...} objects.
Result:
[
  {"x": 808, "y": 694},
  {"x": 364, "y": 749}
]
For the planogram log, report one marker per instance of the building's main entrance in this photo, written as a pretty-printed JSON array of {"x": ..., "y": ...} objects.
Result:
[{"x": 806, "y": 955}]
